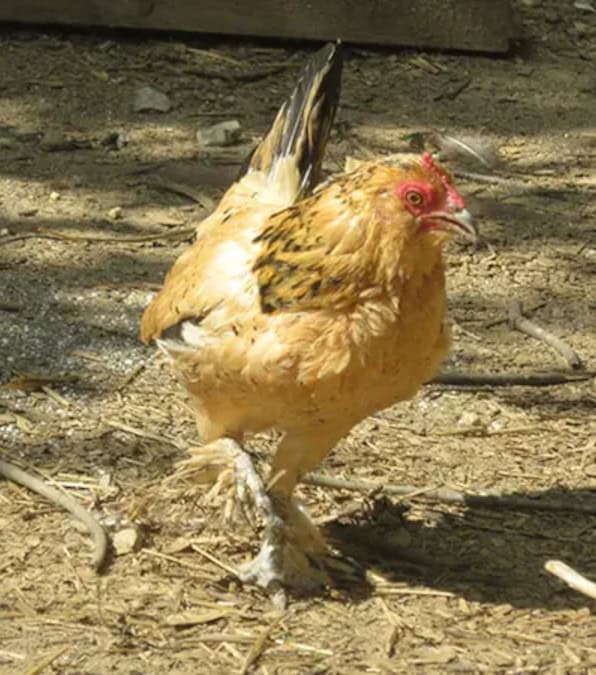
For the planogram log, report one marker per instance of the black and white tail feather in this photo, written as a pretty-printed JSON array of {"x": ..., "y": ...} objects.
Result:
[{"x": 286, "y": 164}]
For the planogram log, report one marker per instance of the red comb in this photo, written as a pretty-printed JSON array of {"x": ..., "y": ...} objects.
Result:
[{"x": 455, "y": 198}]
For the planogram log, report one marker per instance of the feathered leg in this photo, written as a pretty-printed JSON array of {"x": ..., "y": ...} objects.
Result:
[{"x": 293, "y": 553}]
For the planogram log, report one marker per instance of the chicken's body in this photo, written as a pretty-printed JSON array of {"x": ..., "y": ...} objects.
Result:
[
  {"x": 313, "y": 352},
  {"x": 305, "y": 315}
]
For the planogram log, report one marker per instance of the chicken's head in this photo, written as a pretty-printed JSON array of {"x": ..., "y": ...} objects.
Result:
[{"x": 432, "y": 199}]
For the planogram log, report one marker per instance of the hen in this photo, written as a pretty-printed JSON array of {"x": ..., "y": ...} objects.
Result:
[{"x": 305, "y": 311}]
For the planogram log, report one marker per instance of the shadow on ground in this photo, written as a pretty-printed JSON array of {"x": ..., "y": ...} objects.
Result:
[{"x": 483, "y": 554}]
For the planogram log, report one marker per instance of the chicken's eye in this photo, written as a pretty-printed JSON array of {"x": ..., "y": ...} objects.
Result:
[{"x": 414, "y": 198}]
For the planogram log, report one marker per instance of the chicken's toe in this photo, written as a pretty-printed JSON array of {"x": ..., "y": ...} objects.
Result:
[
  {"x": 294, "y": 555},
  {"x": 280, "y": 565}
]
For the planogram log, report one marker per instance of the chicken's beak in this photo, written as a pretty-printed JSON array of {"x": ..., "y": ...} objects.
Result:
[{"x": 459, "y": 221}]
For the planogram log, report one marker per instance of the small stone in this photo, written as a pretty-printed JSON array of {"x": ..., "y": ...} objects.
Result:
[
  {"x": 463, "y": 606},
  {"x": 54, "y": 196},
  {"x": 468, "y": 419},
  {"x": 127, "y": 541},
  {"x": 115, "y": 213},
  {"x": 115, "y": 139},
  {"x": 148, "y": 98},
  {"x": 224, "y": 133},
  {"x": 28, "y": 213},
  {"x": 105, "y": 480}
]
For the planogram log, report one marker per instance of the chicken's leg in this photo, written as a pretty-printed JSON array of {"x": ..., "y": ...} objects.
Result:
[
  {"x": 289, "y": 537},
  {"x": 293, "y": 552}
]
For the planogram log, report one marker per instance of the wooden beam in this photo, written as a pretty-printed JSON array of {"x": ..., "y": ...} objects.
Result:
[{"x": 477, "y": 25}]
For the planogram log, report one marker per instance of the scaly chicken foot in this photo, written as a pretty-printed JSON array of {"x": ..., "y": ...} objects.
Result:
[
  {"x": 292, "y": 555},
  {"x": 266, "y": 569},
  {"x": 292, "y": 545}
]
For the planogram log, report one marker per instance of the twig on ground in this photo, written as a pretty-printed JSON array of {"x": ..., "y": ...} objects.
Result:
[
  {"x": 429, "y": 592},
  {"x": 484, "y": 178},
  {"x": 483, "y": 430},
  {"x": 10, "y": 307},
  {"x": 211, "y": 54},
  {"x": 55, "y": 396},
  {"x": 115, "y": 424},
  {"x": 241, "y": 76},
  {"x": 46, "y": 662},
  {"x": 572, "y": 578},
  {"x": 183, "y": 563},
  {"x": 508, "y": 379},
  {"x": 505, "y": 319},
  {"x": 46, "y": 233},
  {"x": 211, "y": 558},
  {"x": 135, "y": 372},
  {"x": 451, "y": 92},
  {"x": 186, "y": 191},
  {"x": 492, "y": 499},
  {"x": 396, "y": 628},
  {"x": 520, "y": 323},
  {"x": 98, "y": 534},
  {"x": 258, "y": 647}
]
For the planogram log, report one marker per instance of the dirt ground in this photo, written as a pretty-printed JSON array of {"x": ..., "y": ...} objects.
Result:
[{"x": 451, "y": 588}]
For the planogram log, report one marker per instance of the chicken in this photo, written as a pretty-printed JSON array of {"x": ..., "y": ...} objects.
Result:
[{"x": 305, "y": 310}]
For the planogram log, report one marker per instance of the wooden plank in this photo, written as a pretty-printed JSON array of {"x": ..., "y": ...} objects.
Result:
[{"x": 477, "y": 25}]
